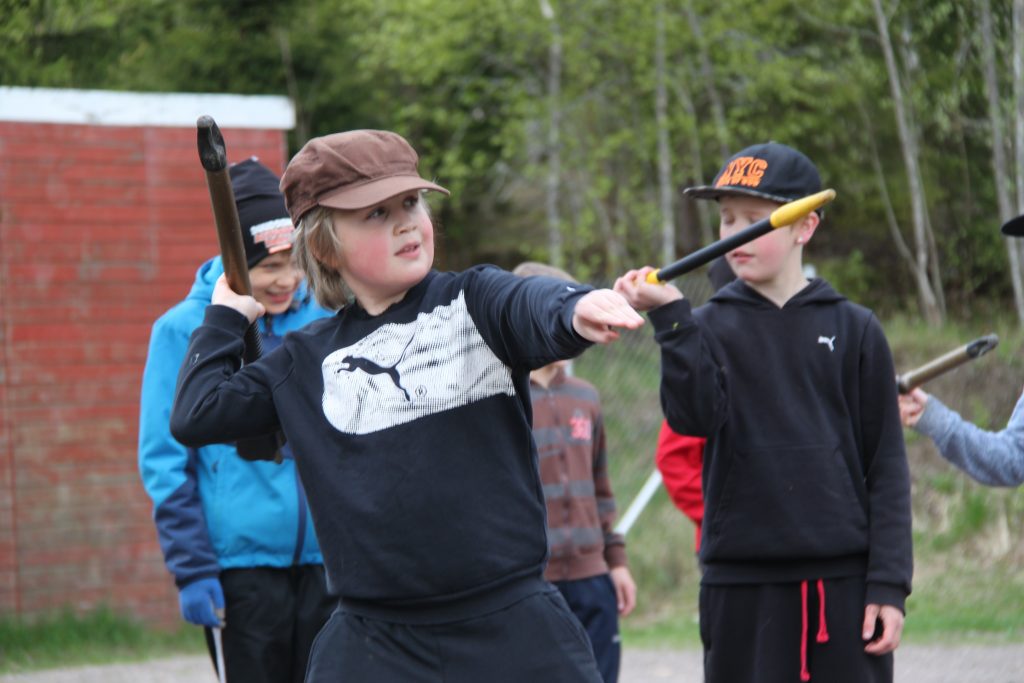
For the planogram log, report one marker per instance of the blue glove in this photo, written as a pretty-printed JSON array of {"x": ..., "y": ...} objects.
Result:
[{"x": 198, "y": 600}]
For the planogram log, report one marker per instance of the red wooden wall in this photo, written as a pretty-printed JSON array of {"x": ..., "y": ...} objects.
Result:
[{"x": 101, "y": 230}]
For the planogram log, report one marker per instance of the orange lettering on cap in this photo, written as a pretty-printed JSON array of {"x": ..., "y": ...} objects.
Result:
[{"x": 746, "y": 171}]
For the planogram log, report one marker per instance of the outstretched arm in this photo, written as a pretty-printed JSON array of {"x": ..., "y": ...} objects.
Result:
[{"x": 993, "y": 458}]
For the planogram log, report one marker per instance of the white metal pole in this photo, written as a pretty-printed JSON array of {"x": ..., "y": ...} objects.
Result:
[{"x": 650, "y": 487}]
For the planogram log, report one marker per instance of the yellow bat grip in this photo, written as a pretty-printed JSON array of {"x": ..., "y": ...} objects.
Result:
[
  {"x": 790, "y": 213},
  {"x": 652, "y": 277}
]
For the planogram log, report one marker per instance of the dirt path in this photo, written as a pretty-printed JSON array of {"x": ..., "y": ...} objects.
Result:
[{"x": 914, "y": 664}]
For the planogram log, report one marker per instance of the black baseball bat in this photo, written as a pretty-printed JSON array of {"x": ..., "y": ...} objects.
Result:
[
  {"x": 787, "y": 214},
  {"x": 946, "y": 362}
]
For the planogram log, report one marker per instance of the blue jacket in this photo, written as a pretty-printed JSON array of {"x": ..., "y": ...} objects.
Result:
[{"x": 213, "y": 510}]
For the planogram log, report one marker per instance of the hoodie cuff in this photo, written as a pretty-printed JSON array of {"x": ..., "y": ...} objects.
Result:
[
  {"x": 182, "y": 582},
  {"x": 225, "y": 318},
  {"x": 935, "y": 420},
  {"x": 886, "y": 594},
  {"x": 615, "y": 555},
  {"x": 671, "y": 316}
]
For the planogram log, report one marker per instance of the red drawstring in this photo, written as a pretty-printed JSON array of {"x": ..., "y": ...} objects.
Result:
[
  {"x": 822, "y": 627},
  {"x": 822, "y": 637},
  {"x": 805, "y": 675}
]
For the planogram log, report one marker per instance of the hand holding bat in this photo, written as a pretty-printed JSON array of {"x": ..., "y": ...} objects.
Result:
[{"x": 213, "y": 157}]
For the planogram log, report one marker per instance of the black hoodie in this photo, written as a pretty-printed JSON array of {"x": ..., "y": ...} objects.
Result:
[{"x": 805, "y": 472}]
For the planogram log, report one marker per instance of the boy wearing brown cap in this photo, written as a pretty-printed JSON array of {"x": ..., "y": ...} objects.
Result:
[
  {"x": 237, "y": 535},
  {"x": 806, "y": 485},
  {"x": 413, "y": 406}
]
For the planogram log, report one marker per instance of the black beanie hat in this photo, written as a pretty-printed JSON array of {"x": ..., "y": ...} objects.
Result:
[{"x": 266, "y": 226}]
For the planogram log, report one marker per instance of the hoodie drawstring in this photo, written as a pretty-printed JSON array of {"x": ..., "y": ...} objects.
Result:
[
  {"x": 822, "y": 626},
  {"x": 822, "y": 636}
]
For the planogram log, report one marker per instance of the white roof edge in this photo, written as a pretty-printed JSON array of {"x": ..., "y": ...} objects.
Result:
[{"x": 113, "y": 108}]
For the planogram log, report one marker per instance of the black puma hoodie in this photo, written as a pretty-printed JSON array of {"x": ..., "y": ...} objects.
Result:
[{"x": 805, "y": 472}]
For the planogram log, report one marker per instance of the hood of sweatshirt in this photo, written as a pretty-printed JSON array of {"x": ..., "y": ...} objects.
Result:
[{"x": 817, "y": 292}]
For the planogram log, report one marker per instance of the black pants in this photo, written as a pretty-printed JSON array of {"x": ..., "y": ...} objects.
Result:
[
  {"x": 272, "y": 617},
  {"x": 594, "y": 603},
  {"x": 535, "y": 640},
  {"x": 755, "y": 634}
]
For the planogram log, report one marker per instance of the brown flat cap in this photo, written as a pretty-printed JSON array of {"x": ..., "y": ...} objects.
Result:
[{"x": 351, "y": 170}]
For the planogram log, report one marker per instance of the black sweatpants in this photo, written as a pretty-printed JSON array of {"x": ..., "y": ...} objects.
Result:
[
  {"x": 758, "y": 634},
  {"x": 272, "y": 617},
  {"x": 595, "y": 604},
  {"x": 536, "y": 639}
]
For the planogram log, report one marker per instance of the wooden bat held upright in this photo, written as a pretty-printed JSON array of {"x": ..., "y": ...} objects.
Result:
[
  {"x": 213, "y": 156},
  {"x": 787, "y": 214},
  {"x": 908, "y": 381}
]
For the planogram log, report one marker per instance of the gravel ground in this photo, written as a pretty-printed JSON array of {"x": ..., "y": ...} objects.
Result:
[{"x": 914, "y": 664}]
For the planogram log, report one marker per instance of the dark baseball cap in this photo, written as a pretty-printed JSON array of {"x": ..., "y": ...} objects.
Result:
[
  {"x": 1014, "y": 227},
  {"x": 351, "y": 170},
  {"x": 266, "y": 226},
  {"x": 769, "y": 170}
]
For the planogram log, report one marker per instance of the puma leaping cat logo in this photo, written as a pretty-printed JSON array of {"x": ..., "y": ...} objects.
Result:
[
  {"x": 830, "y": 342},
  {"x": 353, "y": 363}
]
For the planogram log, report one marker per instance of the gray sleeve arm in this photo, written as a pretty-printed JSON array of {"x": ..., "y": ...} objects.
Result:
[{"x": 993, "y": 458}]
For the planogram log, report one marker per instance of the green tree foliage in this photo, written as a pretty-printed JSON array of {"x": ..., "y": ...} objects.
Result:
[{"x": 466, "y": 82}]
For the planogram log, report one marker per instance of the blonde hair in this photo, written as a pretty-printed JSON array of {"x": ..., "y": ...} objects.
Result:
[
  {"x": 530, "y": 268},
  {"x": 317, "y": 251}
]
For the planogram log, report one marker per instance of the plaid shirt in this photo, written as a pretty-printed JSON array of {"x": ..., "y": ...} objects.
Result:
[{"x": 569, "y": 431}]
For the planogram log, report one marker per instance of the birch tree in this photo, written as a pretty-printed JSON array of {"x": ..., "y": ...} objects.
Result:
[
  {"x": 554, "y": 95},
  {"x": 1018, "y": 33},
  {"x": 929, "y": 302},
  {"x": 1002, "y": 177},
  {"x": 665, "y": 189}
]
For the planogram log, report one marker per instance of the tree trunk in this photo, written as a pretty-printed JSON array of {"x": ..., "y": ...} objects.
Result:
[
  {"x": 555, "y": 255},
  {"x": 883, "y": 192},
  {"x": 705, "y": 231},
  {"x": 911, "y": 64},
  {"x": 1000, "y": 169},
  {"x": 1016, "y": 243},
  {"x": 665, "y": 190},
  {"x": 929, "y": 303},
  {"x": 301, "y": 116},
  {"x": 717, "y": 110}
]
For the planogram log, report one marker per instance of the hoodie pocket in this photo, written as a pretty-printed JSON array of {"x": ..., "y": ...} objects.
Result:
[{"x": 788, "y": 503}]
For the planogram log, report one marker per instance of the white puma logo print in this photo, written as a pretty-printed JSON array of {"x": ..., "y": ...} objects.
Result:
[{"x": 828, "y": 341}]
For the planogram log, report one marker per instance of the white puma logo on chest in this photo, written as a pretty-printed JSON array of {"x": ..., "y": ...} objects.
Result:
[{"x": 828, "y": 341}]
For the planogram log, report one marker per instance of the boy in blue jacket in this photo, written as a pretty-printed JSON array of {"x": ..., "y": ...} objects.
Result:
[
  {"x": 806, "y": 485},
  {"x": 237, "y": 535}
]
